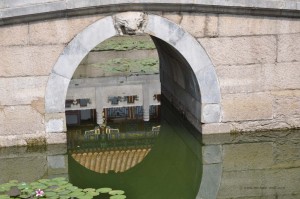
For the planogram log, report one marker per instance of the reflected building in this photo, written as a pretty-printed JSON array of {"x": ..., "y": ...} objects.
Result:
[
  {"x": 112, "y": 98},
  {"x": 113, "y": 121}
]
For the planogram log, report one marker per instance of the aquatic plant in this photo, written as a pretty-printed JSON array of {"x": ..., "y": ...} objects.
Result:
[{"x": 56, "y": 188}]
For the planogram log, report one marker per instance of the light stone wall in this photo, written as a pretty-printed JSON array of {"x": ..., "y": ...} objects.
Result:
[
  {"x": 257, "y": 60},
  {"x": 28, "y": 53}
]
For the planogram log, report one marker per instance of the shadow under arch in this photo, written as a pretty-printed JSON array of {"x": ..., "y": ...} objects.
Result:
[{"x": 201, "y": 90}]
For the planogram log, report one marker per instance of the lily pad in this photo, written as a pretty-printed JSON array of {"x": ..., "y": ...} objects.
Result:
[
  {"x": 116, "y": 192},
  {"x": 104, "y": 190},
  {"x": 117, "y": 197},
  {"x": 89, "y": 189}
]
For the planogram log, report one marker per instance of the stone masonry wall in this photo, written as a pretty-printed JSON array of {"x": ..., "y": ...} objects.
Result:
[{"x": 257, "y": 60}]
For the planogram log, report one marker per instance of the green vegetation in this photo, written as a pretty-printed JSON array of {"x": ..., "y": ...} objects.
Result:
[
  {"x": 56, "y": 188},
  {"x": 126, "y": 43},
  {"x": 130, "y": 66}
]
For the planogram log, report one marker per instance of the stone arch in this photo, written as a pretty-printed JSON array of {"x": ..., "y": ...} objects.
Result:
[
  {"x": 163, "y": 32},
  {"x": 128, "y": 23}
]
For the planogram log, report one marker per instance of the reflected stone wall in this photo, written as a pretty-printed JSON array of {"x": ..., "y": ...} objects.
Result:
[
  {"x": 27, "y": 164},
  {"x": 256, "y": 165}
]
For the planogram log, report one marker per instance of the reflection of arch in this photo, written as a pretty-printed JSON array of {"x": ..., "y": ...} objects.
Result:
[{"x": 202, "y": 68}]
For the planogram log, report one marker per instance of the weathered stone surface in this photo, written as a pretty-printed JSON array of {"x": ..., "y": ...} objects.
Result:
[
  {"x": 28, "y": 60},
  {"x": 264, "y": 125},
  {"x": 194, "y": 24},
  {"x": 287, "y": 151},
  {"x": 242, "y": 78},
  {"x": 55, "y": 122},
  {"x": 58, "y": 31},
  {"x": 57, "y": 164},
  {"x": 247, "y": 156},
  {"x": 22, "y": 90},
  {"x": 24, "y": 169},
  {"x": 251, "y": 106},
  {"x": 200, "y": 25},
  {"x": 236, "y": 25},
  {"x": 14, "y": 35},
  {"x": 287, "y": 104},
  {"x": 173, "y": 16},
  {"x": 56, "y": 138},
  {"x": 212, "y": 154},
  {"x": 288, "y": 48},
  {"x": 260, "y": 183},
  {"x": 215, "y": 128},
  {"x": 240, "y": 50},
  {"x": 56, "y": 91},
  {"x": 84, "y": 42},
  {"x": 282, "y": 76},
  {"x": 210, "y": 182},
  {"x": 19, "y": 120},
  {"x": 211, "y": 113}
]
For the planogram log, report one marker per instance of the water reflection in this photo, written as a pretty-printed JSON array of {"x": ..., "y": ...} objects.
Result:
[{"x": 161, "y": 162}]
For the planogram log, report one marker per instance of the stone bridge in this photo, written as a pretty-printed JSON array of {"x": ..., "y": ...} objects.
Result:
[{"x": 227, "y": 65}]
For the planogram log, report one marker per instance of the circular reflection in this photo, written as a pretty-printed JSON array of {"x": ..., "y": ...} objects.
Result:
[{"x": 105, "y": 149}]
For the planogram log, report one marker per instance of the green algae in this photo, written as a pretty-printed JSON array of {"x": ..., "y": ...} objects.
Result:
[
  {"x": 126, "y": 43},
  {"x": 129, "y": 66}
]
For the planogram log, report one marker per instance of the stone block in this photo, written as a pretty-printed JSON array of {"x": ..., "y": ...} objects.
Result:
[
  {"x": 282, "y": 76},
  {"x": 173, "y": 16},
  {"x": 28, "y": 60},
  {"x": 242, "y": 78},
  {"x": 260, "y": 183},
  {"x": 251, "y": 106},
  {"x": 22, "y": 90},
  {"x": 21, "y": 3},
  {"x": 14, "y": 35},
  {"x": 288, "y": 48},
  {"x": 211, "y": 113},
  {"x": 59, "y": 31},
  {"x": 247, "y": 156},
  {"x": 216, "y": 128},
  {"x": 19, "y": 120},
  {"x": 212, "y": 154},
  {"x": 200, "y": 25},
  {"x": 286, "y": 104},
  {"x": 56, "y": 92},
  {"x": 240, "y": 50},
  {"x": 55, "y": 122},
  {"x": 237, "y": 25},
  {"x": 194, "y": 24},
  {"x": 56, "y": 138}
]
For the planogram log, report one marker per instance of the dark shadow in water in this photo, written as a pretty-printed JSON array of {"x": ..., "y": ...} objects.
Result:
[{"x": 172, "y": 169}]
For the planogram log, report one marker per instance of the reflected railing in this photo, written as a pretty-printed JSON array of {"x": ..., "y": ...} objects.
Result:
[{"x": 106, "y": 149}]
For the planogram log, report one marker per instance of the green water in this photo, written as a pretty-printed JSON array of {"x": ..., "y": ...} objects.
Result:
[{"x": 172, "y": 169}]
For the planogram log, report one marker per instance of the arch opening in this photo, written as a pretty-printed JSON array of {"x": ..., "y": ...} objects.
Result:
[
  {"x": 188, "y": 77},
  {"x": 199, "y": 82}
]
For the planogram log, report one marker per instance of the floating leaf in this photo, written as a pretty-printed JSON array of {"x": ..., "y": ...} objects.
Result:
[
  {"x": 117, "y": 197},
  {"x": 104, "y": 190},
  {"x": 116, "y": 192},
  {"x": 89, "y": 189}
]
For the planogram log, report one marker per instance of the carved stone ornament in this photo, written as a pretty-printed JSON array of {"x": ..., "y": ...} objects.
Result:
[{"x": 130, "y": 23}]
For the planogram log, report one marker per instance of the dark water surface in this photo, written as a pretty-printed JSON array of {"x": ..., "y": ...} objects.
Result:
[
  {"x": 254, "y": 165},
  {"x": 172, "y": 168}
]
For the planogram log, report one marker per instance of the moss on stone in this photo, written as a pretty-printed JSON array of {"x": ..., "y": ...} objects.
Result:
[{"x": 129, "y": 66}]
